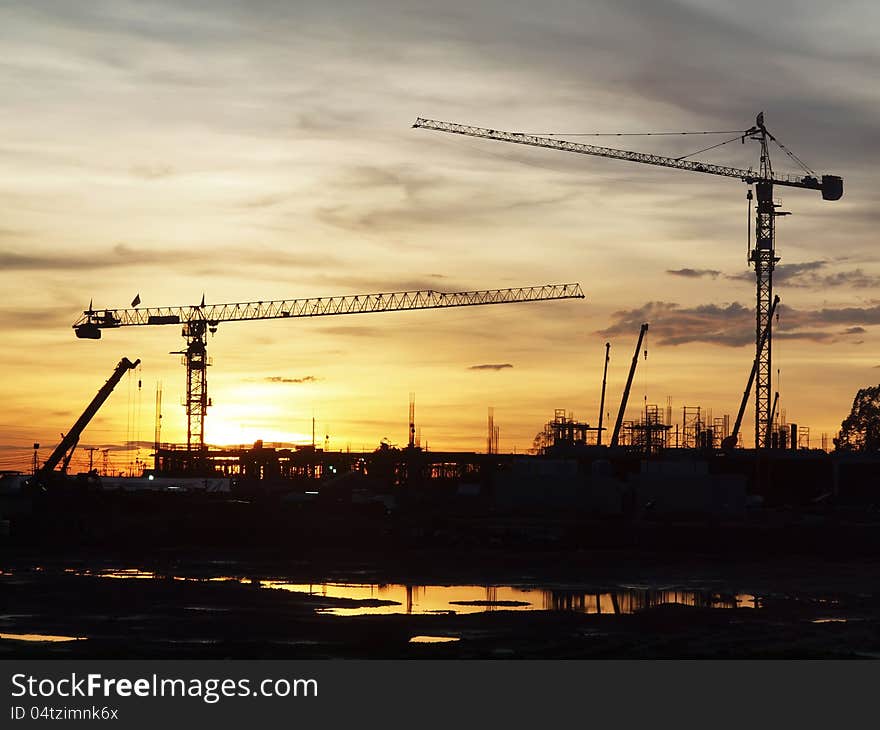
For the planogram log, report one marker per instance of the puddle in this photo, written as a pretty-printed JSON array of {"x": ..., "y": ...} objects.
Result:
[
  {"x": 40, "y": 637},
  {"x": 398, "y": 598},
  {"x": 384, "y": 599},
  {"x": 830, "y": 620},
  {"x": 433, "y": 639},
  {"x": 124, "y": 573}
]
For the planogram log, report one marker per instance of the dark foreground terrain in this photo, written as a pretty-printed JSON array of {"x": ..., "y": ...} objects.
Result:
[{"x": 216, "y": 604}]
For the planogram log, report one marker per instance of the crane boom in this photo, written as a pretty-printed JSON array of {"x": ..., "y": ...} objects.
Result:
[
  {"x": 88, "y": 326},
  {"x": 632, "y": 371},
  {"x": 70, "y": 440},
  {"x": 198, "y": 320},
  {"x": 763, "y": 256},
  {"x": 831, "y": 186}
]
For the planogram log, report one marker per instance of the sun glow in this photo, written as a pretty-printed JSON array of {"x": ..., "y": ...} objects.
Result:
[{"x": 229, "y": 433}]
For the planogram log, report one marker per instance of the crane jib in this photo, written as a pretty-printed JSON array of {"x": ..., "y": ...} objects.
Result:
[
  {"x": 89, "y": 326},
  {"x": 831, "y": 186}
]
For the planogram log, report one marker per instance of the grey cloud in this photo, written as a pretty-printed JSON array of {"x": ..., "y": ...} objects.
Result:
[
  {"x": 462, "y": 208},
  {"x": 788, "y": 273},
  {"x": 733, "y": 325},
  {"x": 694, "y": 273},
  {"x": 123, "y": 255},
  {"x": 491, "y": 366},
  {"x": 408, "y": 178},
  {"x": 856, "y": 278},
  {"x": 807, "y": 275},
  {"x": 120, "y": 255},
  {"x": 37, "y": 318}
]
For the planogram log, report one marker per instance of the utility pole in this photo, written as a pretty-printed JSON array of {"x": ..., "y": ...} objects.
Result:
[{"x": 91, "y": 450}]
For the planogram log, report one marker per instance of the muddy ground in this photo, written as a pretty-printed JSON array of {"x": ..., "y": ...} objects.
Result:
[{"x": 804, "y": 606}]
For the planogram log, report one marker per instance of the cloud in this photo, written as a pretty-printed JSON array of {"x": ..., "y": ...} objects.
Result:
[
  {"x": 123, "y": 255},
  {"x": 38, "y": 318},
  {"x": 694, "y": 273},
  {"x": 733, "y": 325},
  {"x": 400, "y": 197},
  {"x": 808, "y": 275},
  {"x": 119, "y": 255},
  {"x": 491, "y": 366},
  {"x": 282, "y": 379},
  {"x": 855, "y": 278}
]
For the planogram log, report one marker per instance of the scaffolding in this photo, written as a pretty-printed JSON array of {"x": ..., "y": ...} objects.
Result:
[
  {"x": 691, "y": 427},
  {"x": 650, "y": 434},
  {"x": 565, "y": 433}
]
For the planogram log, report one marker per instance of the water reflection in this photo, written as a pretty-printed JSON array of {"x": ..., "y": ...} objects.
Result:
[
  {"x": 40, "y": 637},
  {"x": 398, "y": 598}
]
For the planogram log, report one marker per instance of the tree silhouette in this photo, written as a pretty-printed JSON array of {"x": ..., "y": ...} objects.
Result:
[{"x": 860, "y": 430}]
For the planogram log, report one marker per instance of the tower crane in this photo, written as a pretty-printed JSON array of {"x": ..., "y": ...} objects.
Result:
[
  {"x": 729, "y": 442},
  {"x": 198, "y": 320},
  {"x": 763, "y": 256}
]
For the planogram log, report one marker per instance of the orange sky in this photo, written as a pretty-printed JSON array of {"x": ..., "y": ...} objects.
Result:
[{"x": 265, "y": 150}]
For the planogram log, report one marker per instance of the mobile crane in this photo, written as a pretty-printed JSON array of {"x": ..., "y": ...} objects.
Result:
[{"x": 64, "y": 451}]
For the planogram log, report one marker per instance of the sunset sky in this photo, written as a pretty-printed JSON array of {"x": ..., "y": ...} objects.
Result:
[{"x": 264, "y": 149}]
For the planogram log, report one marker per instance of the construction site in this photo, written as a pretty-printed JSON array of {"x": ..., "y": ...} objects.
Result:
[
  {"x": 638, "y": 479},
  {"x": 645, "y": 444}
]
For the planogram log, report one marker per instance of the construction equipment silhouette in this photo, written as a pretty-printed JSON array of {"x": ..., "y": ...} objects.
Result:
[
  {"x": 763, "y": 257},
  {"x": 198, "y": 320}
]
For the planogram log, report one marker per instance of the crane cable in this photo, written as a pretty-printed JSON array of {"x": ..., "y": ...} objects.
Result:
[
  {"x": 706, "y": 149},
  {"x": 738, "y": 132},
  {"x": 791, "y": 154}
]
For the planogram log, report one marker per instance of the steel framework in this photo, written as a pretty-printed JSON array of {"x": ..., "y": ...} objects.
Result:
[
  {"x": 200, "y": 319},
  {"x": 763, "y": 256}
]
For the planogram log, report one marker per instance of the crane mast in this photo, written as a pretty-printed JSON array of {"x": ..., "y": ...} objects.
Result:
[
  {"x": 729, "y": 442},
  {"x": 763, "y": 257},
  {"x": 201, "y": 319}
]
